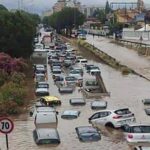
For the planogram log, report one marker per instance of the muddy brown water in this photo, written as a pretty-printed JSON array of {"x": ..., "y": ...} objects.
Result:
[{"x": 126, "y": 91}]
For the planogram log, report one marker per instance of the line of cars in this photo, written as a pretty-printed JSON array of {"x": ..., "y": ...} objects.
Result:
[
  {"x": 59, "y": 62},
  {"x": 43, "y": 108},
  {"x": 119, "y": 118}
]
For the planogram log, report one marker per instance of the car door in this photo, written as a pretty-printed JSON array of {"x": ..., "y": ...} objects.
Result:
[
  {"x": 103, "y": 117},
  {"x": 145, "y": 133},
  {"x": 94, "y": 118}
]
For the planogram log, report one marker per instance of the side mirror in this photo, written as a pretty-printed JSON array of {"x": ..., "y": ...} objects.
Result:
[{"x": 57, "y": 112}]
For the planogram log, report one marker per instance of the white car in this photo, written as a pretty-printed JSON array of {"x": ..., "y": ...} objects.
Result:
[
  {"x": 76, "y": 74},
  {"x": 137, "y": 133},
  {"x": 42, "y": 89},
  {"x": 70, "y": 80},
  {"x": 94, "y": 71},
  {"x": 82, "y": 61},
  {"x": 113, "y": 118}
]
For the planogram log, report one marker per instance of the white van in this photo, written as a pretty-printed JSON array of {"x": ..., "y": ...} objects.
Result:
[{"x": 46, "y": 120}]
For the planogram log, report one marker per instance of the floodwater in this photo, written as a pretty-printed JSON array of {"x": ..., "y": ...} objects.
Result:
[
  {"x": 126, "y": 91},
  {"x": 140, "y": 64}
]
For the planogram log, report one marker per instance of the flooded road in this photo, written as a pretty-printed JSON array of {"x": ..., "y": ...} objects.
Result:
[
  {"x": 126, "y": 91},
  {"x": 128, "y": 57}
]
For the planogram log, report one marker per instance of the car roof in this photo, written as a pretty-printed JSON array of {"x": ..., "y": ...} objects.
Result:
[
  {"x": 45, "y": 109},
  {"x": 99, "y": 103},
  {"x": 47, "y": 133},
  {"x": 74, "y": 100},
  {"x": 84, "y": 129},
  {"x": 42, "y": 83},
  {"x": 39, "y": 74},
  {"x": 50, "y": 98},
  {"x": 132, "y": 124},
  {"x": 71, "y": 112}
]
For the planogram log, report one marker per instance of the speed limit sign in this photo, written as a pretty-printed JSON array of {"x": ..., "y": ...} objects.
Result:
[{"x": 6, "y": 125}]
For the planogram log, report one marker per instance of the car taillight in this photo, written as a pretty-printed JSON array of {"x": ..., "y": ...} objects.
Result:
[
  {"x": 116, "y": 117},
  {"x": 130, "y": 136}
]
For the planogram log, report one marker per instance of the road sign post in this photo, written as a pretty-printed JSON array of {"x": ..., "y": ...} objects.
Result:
[{"x": 6, "y": 126}]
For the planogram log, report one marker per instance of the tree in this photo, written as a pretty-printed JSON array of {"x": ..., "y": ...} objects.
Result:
[
  {"x": 3, "y": 8},
  {"x": 17, "y": 31},
  {"x": 107, "y": 8},
  {"x": 68, "y": 19}
]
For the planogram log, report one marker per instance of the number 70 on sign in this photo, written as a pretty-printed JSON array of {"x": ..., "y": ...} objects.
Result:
[{"x": 6, "y": 125}]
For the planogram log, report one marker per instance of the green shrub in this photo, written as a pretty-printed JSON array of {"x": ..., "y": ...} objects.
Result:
[
  {"x": 12, "y": 92},
  {"x": 18, "y": 78},
  {"x": 9, "y": 107}
]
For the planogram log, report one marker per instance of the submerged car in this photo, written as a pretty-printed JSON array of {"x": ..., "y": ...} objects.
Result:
[
  {"x": 42, "y": 89},
  {"x": 70, "y": 80},
  {"x": 112, "y": 118},
  {"x": 70, "y": 114},
  {"x": 46, "y": 119},
  {"x": 46, "y": 136},
  {"x": 40, "y": 77},
  {"x": 137, "y": 133},
  {"x": 146, "y": 101},
  {"x": 50, "y": 100},
  {"x": 98, "y": 104},
  {"x": 147, "y": 111},
  {"x": 88, "y": 134},
  {"x": 77, "y": 101},
  {"x": 65, "y": 89}
]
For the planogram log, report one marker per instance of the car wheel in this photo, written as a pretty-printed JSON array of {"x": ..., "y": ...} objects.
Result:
[{"x": 109, "y": 124}]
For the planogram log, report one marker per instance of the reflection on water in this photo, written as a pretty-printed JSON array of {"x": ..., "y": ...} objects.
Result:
[{"x": 126, "y": 91}]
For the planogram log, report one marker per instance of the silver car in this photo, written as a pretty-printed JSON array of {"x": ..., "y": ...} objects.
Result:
[
  {"x": 42, "y": 89},
  {"x": 46, "y": 136}
]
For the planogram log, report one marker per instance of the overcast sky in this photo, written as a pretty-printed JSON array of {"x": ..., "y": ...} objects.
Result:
[{"x": 41, "y": 5}]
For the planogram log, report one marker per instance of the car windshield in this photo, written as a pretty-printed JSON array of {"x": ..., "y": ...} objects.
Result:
[
  {"x": 141, "y": 129},
  {"x": 70, "y": 78},
  {"x": 75, "y": 72},
  {"x": 57, "y": 78},
  {"x": 57, "y": 72},
  {"x": 90, "y": 136},
  {"x": 94, "y": 67},
  {"x": 40, "y": 78},
  {"x": 49, "y": 141},
  {"x": 123, "y": 111},
  {"x": 91, "y": 83}
]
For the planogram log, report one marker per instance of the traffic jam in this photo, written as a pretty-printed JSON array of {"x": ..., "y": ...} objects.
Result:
[{"x": 61, "y": 88}]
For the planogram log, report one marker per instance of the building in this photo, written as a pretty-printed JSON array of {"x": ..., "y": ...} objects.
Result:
[
  {"x": 88, "y": 11},
  {"x": 47, "y": 13},
  {"x": 140, "y": 5},
  {"x": 66, "y": 3},
  {"x": 59, "y": 5}
]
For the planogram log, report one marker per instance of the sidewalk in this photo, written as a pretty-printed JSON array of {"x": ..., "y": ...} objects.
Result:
[{"x": 126, "y": 56}]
